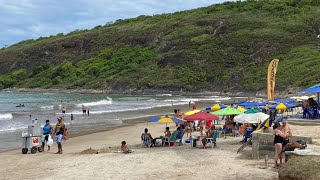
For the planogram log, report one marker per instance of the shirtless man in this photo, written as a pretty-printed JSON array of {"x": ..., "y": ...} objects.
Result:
[{"x": 285, "y": 129}]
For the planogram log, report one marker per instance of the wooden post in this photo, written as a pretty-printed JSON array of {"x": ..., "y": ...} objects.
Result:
[{"x": 266, "y": 162}]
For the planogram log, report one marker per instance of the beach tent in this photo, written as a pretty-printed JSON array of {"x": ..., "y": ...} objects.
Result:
[
  {"x": 201, "y": 116},
  {"x": 312, "y": 89}
]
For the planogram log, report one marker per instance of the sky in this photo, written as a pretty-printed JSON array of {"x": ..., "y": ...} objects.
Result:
[{"x": 31, "y": 19}]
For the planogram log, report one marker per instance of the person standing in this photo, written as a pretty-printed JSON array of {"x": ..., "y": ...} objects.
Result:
[
  {"x": 64, "y": 110},
  {"x": 88, "y": 111},
  {"x": 84, "y": 111},
  {"x": 47, "y": 130},
  {"x": 278, "y": 140},
  {"x": 285, "y": 129},
  {"x": 60, "y": 131}
]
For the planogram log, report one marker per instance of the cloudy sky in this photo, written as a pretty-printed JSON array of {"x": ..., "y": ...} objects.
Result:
[{"x": 30, "y": 19}]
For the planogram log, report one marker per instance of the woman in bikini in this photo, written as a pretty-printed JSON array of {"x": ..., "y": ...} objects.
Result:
[{"x": 278, "y": 140}]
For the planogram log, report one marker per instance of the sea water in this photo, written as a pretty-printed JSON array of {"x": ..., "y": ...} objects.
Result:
[{"x": 106, "y": 111}]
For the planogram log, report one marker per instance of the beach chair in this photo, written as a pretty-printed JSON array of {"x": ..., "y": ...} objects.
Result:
[
  {"x": 179, "y": 140},
  {"x": 167, "y": 140},
  {"x": 213, "y": 140}
]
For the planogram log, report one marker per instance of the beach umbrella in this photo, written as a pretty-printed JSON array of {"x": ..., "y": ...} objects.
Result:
[
  {"x": 282, "y": 106},
  {"x": 252, "y": 111},
  {"x": 312, "y": 89},
  {"x": 166, "y": 119},
  {"x": 192, "y": 112},
  {"x": 227, "y": 111},
  {"x": 201, "y": 116},
  {"x": 242, "y": 109},
  {"x": 217, "y": 107},
  {"x": 251, "y": 117}
]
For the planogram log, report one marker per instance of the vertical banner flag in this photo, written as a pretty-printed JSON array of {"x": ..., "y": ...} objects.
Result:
[{"x": 272, "y": 70}]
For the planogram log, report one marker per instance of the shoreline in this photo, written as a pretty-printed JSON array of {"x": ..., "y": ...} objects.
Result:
[{"x": 154, "y": 92}]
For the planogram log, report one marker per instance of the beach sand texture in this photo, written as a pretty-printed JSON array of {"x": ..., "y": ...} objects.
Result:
[{"x": 180, "y": 162}]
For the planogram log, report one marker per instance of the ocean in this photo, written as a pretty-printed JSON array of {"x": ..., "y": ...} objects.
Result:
[{"x": 106, "y": 111}]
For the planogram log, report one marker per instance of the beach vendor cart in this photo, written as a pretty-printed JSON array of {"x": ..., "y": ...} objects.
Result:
[{"x": 32, "y": 139}]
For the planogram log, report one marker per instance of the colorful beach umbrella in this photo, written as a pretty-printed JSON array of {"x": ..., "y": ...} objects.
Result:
[
  {"x": 192, "y": 112},
  {"x": 217, "y": 107},
  {"x": 282, "y": 106},
  {"x": 227, "y": 111},
  {"x": 252, "y": 111},
  {"x": 242, "y": 109},
  {"x": 251, "y": 117},
  {"x": 166, "y": 119},
  {"x": 201, "y": 116}
]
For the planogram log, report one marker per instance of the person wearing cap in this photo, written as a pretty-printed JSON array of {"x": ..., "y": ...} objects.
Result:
[
  {"x": 60, "y": 131},
  {"x": 47, "y": 130}
]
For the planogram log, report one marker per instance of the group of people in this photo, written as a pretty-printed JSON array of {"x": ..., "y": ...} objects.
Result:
[
  {"x": 59, "y": 131},
  {"x": 311, "y": 109},
  {"x": 174, "y": 137},
  {"x": 282, "y": 133},
  {"x": 85, "y": 110}
]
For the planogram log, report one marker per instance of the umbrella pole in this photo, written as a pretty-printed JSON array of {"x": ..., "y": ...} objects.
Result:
[{"x": 318, "y": 94}]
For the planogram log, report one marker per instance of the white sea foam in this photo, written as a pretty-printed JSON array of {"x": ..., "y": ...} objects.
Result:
[
  {"x": 47, "y": 107},
  {"x": 97, "y": 103},
  {"x": 6, "y": 116}
]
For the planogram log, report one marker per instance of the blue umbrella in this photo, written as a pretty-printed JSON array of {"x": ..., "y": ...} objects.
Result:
[
  {"x": 166, "y": 119},
  {"x": 289, "y": 106},
  {"x": 252, "y": 104},
  {"x": 313, "y": 89}
]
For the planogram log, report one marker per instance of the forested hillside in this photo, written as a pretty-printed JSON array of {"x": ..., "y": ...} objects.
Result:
[{"x": 225, "y": 47}]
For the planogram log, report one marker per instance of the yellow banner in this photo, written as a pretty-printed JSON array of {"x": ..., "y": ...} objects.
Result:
[{"x": 272, "y": 70}]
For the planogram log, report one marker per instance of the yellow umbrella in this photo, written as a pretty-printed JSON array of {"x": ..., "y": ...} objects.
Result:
[
  {"x": 242, "y": 109},
  {"x": 313, "y": 96},
  {"x": 192, "y": 112},
  {"x": 281, "y": 107},
  {"x": 217, "y": 107},
  {"x": 299, "y": 100}
]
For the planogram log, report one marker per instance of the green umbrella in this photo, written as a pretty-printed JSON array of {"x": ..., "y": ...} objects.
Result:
[
  {"x": 227, "y": 111},
  {"x": 252, "y": 111}
]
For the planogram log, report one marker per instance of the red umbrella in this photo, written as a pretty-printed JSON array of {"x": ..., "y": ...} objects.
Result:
[{"x": 201, "y": 116}]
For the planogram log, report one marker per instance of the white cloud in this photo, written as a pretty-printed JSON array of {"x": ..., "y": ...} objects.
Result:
[{"x": 25, "y": 19}]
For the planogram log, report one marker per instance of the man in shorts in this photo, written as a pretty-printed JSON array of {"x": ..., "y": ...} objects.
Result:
[
  {"x": 60, "y": 131},
  {"x": 285, "y": 129}
]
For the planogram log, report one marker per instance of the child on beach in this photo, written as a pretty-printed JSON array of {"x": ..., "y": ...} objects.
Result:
[{"x": 124, "y": 148}]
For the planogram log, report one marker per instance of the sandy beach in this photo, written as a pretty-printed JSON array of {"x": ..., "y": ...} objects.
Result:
[{"x": 179, "y": 162}]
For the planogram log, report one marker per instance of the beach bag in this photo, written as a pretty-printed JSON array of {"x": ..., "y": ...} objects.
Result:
[
  {"x": 50, "y": 140},
  {"x": 302, "y": 143}
]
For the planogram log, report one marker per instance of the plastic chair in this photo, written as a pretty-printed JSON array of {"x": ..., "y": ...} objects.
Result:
[{"x": 213, "y": 140}]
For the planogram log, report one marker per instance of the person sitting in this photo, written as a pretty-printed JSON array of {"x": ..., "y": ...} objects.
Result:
[
  {"x": 124, "y": 148},
  {"x": 146, "y": 138},
  {"x": 179, "y": 135},
  {"x": 167, "y": 135},
  {"x": 189, "y": 129},
  {"x": 209, "y": 135}
]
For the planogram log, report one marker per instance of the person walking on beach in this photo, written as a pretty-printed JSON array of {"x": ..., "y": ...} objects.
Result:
[
  {"x": 88, "y": 111},
  {"x": 84, "y": 111},
  {"x": 64, "y": 110},
  {"x": 60, "y": 131},
  {"x": 47, "y": 131}
]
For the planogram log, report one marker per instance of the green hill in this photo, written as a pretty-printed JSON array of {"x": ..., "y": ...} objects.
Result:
[{"x": 225, "y": 47}]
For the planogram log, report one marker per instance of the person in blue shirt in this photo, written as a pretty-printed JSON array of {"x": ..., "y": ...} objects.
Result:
[{"x": 47, "y": 130}]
